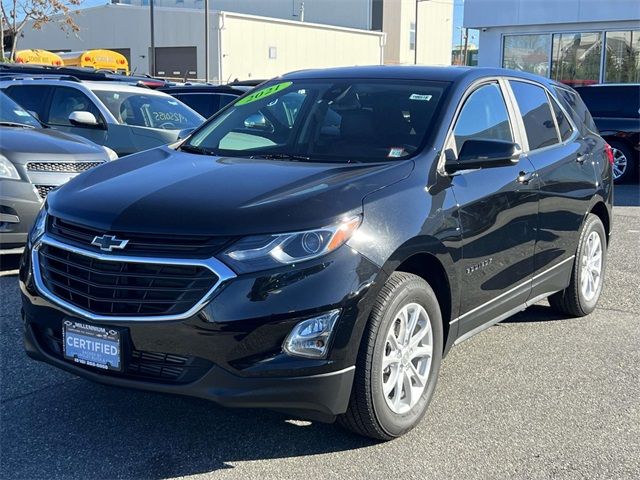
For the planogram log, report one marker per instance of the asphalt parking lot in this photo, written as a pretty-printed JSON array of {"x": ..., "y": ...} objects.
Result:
[{"x": 537, "y": 396}]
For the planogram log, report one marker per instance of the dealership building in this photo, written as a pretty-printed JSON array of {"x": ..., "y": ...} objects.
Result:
[
  {"x": 577, "y": 42},
  {"x": 258, "y": 38}
]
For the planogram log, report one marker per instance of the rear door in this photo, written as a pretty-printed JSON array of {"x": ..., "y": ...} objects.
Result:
[
  {"x": 498, "y": 214},
  {"x": 562, "y": 157}
]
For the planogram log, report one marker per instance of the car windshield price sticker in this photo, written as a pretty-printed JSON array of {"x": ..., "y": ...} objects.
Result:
[
  {"x": 265, "y": 92},
  {"x": 92, "y": 345}
]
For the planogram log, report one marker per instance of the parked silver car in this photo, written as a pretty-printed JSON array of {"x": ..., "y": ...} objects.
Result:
[
  {"x": 33, "y": 161},
  {"x": 125, "y": 118}
]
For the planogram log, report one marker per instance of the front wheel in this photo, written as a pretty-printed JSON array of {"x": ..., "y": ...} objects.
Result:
[{"x": 398, "y": 361}]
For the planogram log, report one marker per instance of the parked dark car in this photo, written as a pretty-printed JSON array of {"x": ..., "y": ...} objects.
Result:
[
  {"x": 33, "y": 161},
  {"x": 319, "y": 245},
  {"x": 205, "y": 99},
  {"x": 8, "y": 70},
  {"x": 616, "y": 111}
]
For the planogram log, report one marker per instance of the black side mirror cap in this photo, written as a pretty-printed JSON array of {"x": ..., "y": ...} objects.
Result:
[{"x": 476, "y": 154}]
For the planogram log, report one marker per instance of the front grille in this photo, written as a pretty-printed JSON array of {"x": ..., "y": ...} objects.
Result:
[
  {"x": 138, "y": 365},
  {"x": 116, "y": 288},
  {"x": 62, "y": 167},
  {"x": 43, "y": 190},
  {"x": 159, "y": 245}
]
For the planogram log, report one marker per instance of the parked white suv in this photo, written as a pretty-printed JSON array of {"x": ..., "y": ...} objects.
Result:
[{"x": 125, "y": 118}]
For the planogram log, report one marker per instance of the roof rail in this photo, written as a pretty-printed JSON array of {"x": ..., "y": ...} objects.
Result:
[{"x": 23, "y": 76}]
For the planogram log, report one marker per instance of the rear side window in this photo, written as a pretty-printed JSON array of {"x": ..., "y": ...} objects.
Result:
[
  {"x": 65, "y": 101},
  {"x": 203, "y": 103},
  {"x": 30, "y": 97},
  {"x": 576, "y": 108},
  {"x": 484, "y": 116},
  {"x": 536, "y": 114}
]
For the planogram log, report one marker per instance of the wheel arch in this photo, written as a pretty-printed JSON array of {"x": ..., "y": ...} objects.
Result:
[
  {"x": 602, "y": 212},
  {"x": 429, "y": 259}
]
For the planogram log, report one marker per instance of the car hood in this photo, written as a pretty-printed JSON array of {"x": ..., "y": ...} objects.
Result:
[
  {"x": 167, "y": 192},
  {"x": 21, "y": 145}
]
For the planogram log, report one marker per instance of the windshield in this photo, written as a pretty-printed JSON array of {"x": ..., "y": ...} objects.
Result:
[
  {"x": 149, "y": 110},
  {"x": 11, "y": 112},
  {"x": 325, "y": 120}
]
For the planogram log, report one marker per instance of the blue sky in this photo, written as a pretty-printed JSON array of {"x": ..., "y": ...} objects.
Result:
[{"x": 457, "y": 17}]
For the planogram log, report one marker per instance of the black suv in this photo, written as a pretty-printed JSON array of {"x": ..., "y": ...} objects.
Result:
[
  {"x": 616, "y": 112},
  {"x": 322, "y": 242},
  {"x": 203, "y": 98}
]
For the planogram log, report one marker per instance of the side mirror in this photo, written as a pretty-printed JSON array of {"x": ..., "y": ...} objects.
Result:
[
  {"x": 258, "y": 121},
  {"x": 83, "y": 119},
  {"x": 184, "y": 133},
  {"x": 476, "y": 154}
]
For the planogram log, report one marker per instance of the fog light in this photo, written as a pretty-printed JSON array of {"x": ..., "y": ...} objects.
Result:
[{"x": 310, "y": 338}]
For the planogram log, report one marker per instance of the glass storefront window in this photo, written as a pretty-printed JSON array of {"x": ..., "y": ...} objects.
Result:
[
  {"x": 527, "y": 53},
  {"x": 575, "y": 58},
  {"x": 622, "y": 61}
]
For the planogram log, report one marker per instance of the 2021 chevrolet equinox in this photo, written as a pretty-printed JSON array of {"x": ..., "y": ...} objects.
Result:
[{"x": 319, "y": 244}]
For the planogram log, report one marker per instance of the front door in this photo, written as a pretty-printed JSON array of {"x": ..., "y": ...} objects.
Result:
[{"x": 498, "y": 210}]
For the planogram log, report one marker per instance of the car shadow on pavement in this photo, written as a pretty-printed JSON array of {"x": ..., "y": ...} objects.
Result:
[
  {"x": 537, "y": 313},
  {"x": 56, "y": 425}
]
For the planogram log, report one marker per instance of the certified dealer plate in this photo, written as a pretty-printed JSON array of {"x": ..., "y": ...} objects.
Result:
[{"x": 92, "y": 345}]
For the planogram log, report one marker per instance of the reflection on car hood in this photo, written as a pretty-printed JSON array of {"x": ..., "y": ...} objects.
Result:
[
  {"x": 27, "y": 144},
  {"x": 166, "y": 191}
]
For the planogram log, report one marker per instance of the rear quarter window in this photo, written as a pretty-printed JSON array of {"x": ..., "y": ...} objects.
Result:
[
  {"x": 30, "y": 97},
  {"x": 579, "y": 112}
]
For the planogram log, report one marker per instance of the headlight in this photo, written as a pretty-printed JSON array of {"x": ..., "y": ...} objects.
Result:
[
  {"x": 39, "y": 225},
  {"x": 7, "y": 170},
  {"x": 110, "y": 153},
  {"x": 262, "y": 252}
]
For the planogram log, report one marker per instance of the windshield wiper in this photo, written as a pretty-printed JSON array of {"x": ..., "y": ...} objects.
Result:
[
  {"x": 16, "y": 124},
  {"x": 196, "y": 150},
  {"x": 282, "y": 156}
]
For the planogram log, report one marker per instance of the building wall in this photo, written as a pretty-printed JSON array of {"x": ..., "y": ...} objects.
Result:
[
  {"x": 344, "y": 13},
  {"x": 499, "y": 13},
  {"x": 490, "y": 52},
  {"x": 295, "y": 45},
  {"x": 434, "y": 32},
  {"x": 245, "y": 40}
]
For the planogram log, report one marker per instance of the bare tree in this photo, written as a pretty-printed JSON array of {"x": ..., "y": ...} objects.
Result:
[{"x": 17, "y": 13}]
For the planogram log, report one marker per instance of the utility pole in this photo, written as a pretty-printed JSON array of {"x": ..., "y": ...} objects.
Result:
[
  {"x": 207, "y": 73},
  {"x": 466, "y": 45},
  {"x": 152, "y": 53}
]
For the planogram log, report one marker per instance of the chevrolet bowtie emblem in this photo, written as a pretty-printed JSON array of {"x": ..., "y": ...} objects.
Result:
[{"x": 109, "y": 242}]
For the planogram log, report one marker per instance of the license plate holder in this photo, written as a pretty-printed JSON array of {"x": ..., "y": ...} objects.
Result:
[{"x": 92, "y": 345}]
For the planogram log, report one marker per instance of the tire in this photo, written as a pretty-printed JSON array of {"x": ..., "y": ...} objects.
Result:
[
  {"x": 572, "y": 300},
  {"x": 623, "y": 151},
  {"x": 369, "y": 413}
]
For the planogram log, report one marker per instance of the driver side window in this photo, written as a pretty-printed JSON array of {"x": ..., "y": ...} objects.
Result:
[
  {"x": 484, "y": 116},
  {"x": 65, "y": 101}
]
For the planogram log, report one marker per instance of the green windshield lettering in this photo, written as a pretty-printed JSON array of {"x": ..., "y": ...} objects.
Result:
[{"x": 265, "y": 92}]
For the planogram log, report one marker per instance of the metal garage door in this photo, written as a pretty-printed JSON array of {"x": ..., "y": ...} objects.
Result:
[{"x": 176, "y": 62}]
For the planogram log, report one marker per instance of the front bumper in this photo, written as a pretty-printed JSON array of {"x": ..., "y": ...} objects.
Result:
[
  {"x": 231, "y": 350},
  {"x": 19, "y": 206}
]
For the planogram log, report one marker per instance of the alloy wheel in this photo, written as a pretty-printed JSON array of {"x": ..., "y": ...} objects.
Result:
[
  {"x": 591, "y": 267},
  {"x": 407, "y": 358},
  {"x": 619, "y": 163}
]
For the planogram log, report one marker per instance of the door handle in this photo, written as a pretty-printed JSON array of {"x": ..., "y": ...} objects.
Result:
[
  {"x": 525, "y": 177},
  {"x": 581, "y": 158}
]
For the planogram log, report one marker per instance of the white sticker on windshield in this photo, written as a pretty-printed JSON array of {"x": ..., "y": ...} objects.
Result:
[
  {"x": 21, "y": 113},
  {"x": 395, "y": 152},
  {"x": 422, "y": 98}
]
